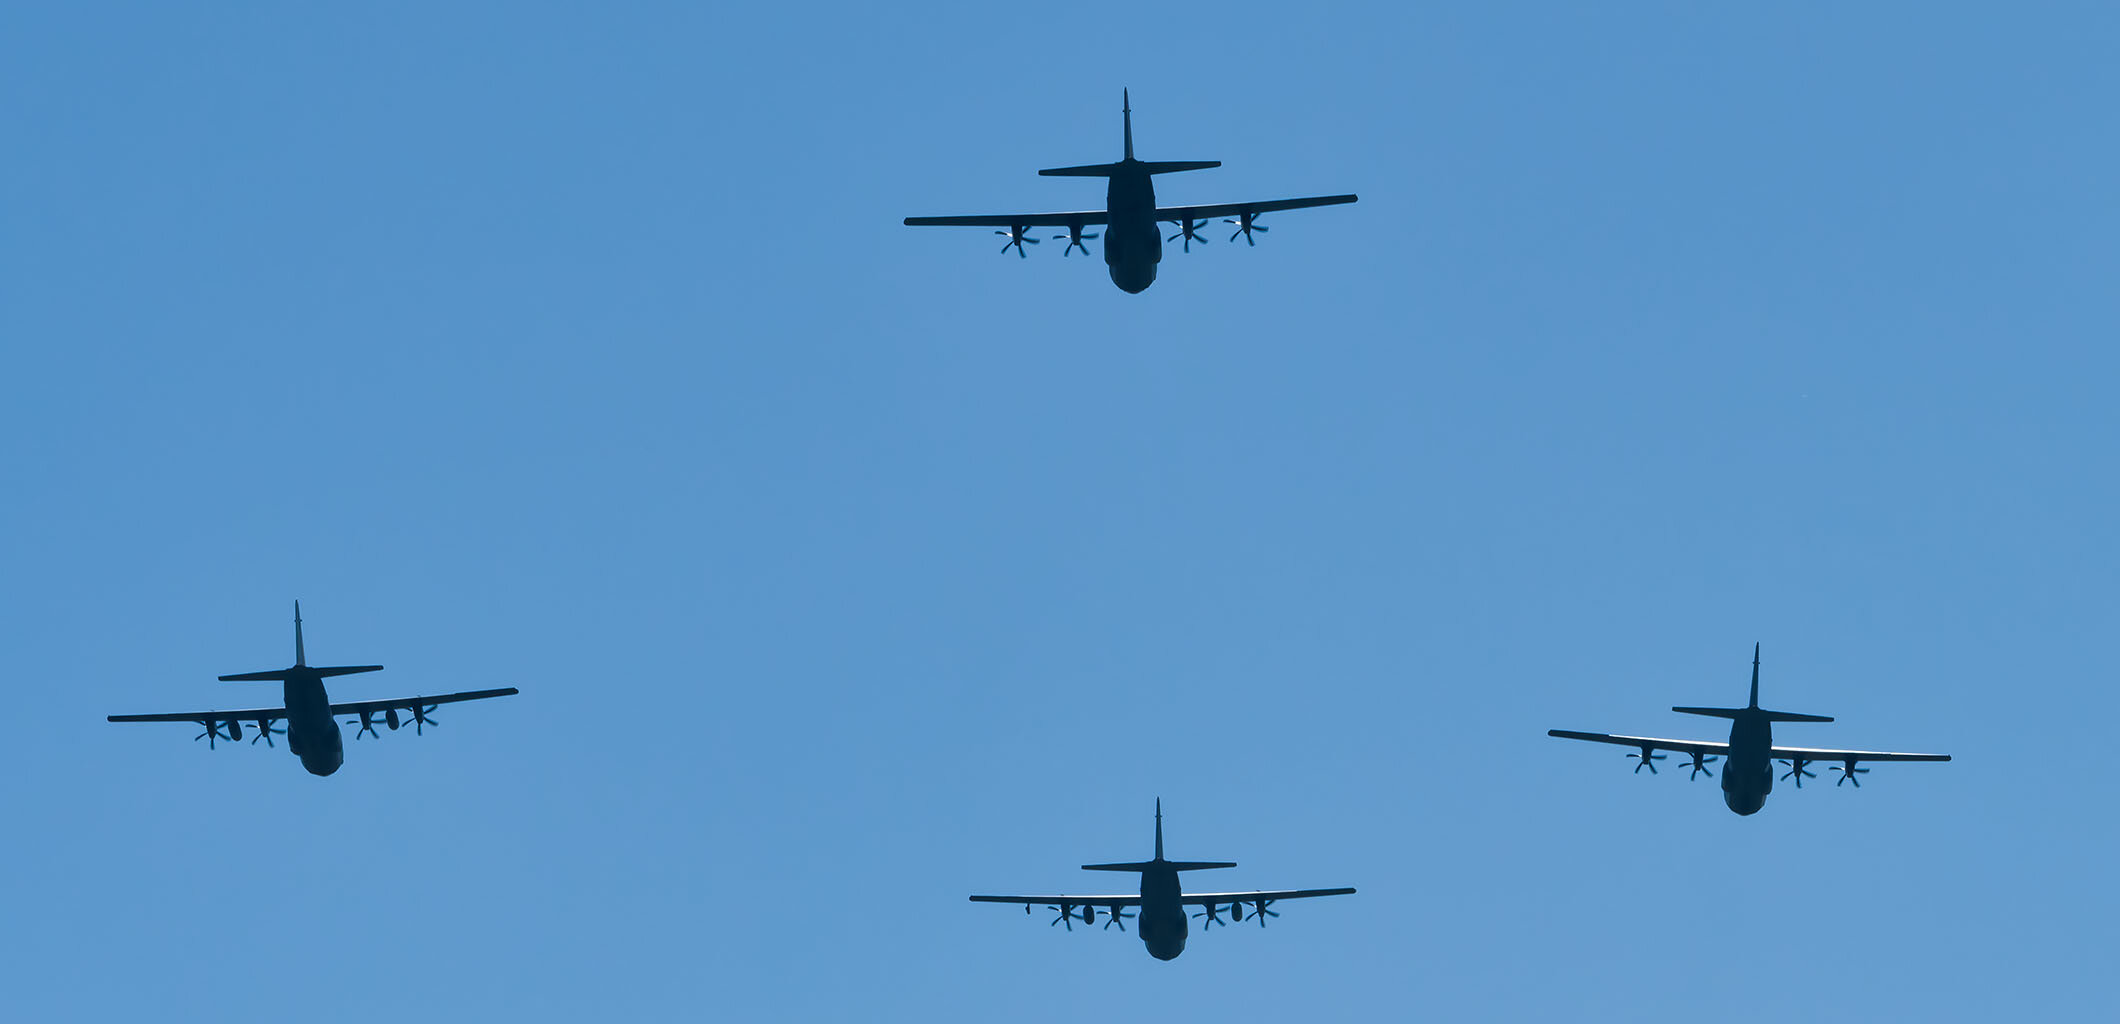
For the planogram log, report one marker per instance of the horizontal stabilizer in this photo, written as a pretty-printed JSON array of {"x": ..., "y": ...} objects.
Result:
[
  {"x": 1170, "y": 166},
  {"x": 1753, "y": 713},
  {"x": 1129, "y": 167},
  {"x": 1174, "y": 865},
  {"x": 346, "y": 670},
  {"x": 1084, "y": 171},
  {"x": 282, "y": 674},
  {"x": 1791, "y": 716}
]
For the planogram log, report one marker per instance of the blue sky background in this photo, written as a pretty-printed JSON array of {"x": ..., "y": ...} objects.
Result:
[{"x": 849, "y": 568}]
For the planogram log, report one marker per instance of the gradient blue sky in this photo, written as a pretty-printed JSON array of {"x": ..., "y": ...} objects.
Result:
[{"x": 849, "y": 568}]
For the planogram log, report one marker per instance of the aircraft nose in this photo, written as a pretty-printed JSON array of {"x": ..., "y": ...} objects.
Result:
[{"x": 1132, "y": 281}]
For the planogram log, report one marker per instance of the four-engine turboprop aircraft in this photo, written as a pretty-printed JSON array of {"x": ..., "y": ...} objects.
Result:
[
  {"x": 1747, "y": 776},
  {"x": 312, "y": 732},
  {"x": 1133, "y": 244},
  {"x": 1162, "y": 903}
]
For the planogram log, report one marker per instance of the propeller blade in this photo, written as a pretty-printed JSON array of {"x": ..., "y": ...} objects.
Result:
[
  {"x": 266, "y": 732},
  {"x": 1246, "y": 224}
]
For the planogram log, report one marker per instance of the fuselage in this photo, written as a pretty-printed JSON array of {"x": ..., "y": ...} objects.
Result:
[
  {"x": 1748, "y": 771},
  {"x": 1133, "y": 242},
  {"x": 312, "y": 732},
  {"x": 1162, "y": 924}
]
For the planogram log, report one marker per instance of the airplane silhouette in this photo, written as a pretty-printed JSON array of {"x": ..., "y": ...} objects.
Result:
[
  {"x": 1162, "y": 902},
  {"x": 1133, "y": 244},
  {"x": 312, "y": 732},
  {"x": 1747, "y": 774}
]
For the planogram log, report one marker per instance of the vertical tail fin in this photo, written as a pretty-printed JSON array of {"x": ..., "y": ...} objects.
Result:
[
  {"x": 1752, "y": 711},
  {"x": 300, "y": 660},
  {"x": 1159, "y": 864},
  {"x": 1126, "y": 102}
]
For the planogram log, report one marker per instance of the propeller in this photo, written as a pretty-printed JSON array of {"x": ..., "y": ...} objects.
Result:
[
  {"x": 1067, "y": 915},
  {"x": 368, "y": 726},
  {"x": 1246, "y": 224},
  {"x": 1189, "y": 229},
  {"x": 419, "y": 716},
  {"x": 266, "y": 732},
  {"x": 1848, "y": 771},
  {"x": 1016, "y": 237},
  {"x": 1074, "y": 238},
  {"x": 211, "y": 735},
  {"x": 1648, "y": 758},
  {"x": 1796, "y": 771},
  {"x": 1116, "y": 916},
  {"x": 1212, "y": 919},
  {"x": 1261, "y": 913},
  {"x": 1701, "y": 760}
]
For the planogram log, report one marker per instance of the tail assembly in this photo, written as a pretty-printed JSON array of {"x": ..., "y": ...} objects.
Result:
[
  {"x": 1126, "y": 113},
  {"x": 1159, "y": 864},
  {"x": 1129, "y": 165},
  {"x": 301, "y": 663},
  {"x": 1753, "y": 710}
]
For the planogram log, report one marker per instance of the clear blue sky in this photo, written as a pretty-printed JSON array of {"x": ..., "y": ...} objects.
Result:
[{"x": 849, "y": 568}]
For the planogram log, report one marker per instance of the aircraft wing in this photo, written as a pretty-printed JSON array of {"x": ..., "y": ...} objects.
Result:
[
  {"x": 1085, "y": 218},
  {"x": 1174, "y": 214},
  {"x": 1688, "y": 747},
  {"x": 409, "y": 703},
  {"x": 1820, "y": 754},
  {"x": 1208, "y": 899},
  {"x": 1072, "y": 901},
  {"x": 205, "y": 717}
]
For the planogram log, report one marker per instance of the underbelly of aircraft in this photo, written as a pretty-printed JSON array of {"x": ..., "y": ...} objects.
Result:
[
  {"x": 1132, "y": 253},
  {"x": 1133, "y": 278}
]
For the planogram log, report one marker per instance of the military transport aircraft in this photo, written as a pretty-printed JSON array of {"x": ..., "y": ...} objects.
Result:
[
  {"x": 1133, "y": 244},
  {"x": 312, "y": 732},
  {"x": 1162, "y": 904},
  {"x": 1747, "y": 777}
]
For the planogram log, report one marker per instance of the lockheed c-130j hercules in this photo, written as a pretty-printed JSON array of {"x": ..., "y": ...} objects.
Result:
[
  {"x": 1163, "y": 917},
  {"x": 1133, "y": 243},
  {"x": 1748, "y": 774},
  {"x": 312, "y": 729}
]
